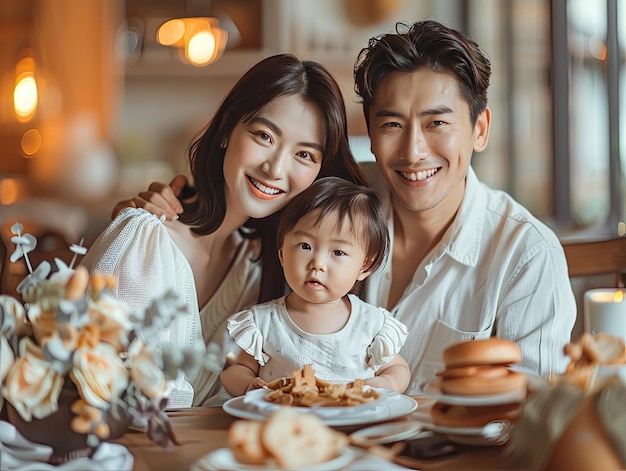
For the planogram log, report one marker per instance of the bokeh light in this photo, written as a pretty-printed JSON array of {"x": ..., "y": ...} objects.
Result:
[
  {"x": 171, "y": 32},
  {"x": 9, "y": 191},
  {"x": 31, "y": 142},
  {"x": 25, "y": 97},
  {"x": 200, "y": 48}
]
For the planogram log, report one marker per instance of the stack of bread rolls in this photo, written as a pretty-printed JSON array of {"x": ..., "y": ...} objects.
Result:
[{"x": 479, "y": 368}]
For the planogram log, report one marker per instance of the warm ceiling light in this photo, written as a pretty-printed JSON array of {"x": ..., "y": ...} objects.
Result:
[
  {"x": 25, "y": 96},
  {"x": 200, "y": 48},
  {"x": 171, "y": 33},
  {"x": 200, "y": 40}
]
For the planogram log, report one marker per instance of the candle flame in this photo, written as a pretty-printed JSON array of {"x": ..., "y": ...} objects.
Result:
[{"x": 619, "y": 296}]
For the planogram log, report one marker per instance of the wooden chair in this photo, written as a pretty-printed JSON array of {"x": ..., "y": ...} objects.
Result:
[{"x": 597, "y": 257}]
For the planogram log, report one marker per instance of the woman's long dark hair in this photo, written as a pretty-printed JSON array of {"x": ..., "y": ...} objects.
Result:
[{"x": 272, "y": 78}]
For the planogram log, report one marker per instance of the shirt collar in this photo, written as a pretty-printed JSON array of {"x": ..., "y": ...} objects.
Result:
[{"x": 464, "y": 237}]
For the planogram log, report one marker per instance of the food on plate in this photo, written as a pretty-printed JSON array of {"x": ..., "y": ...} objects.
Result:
[
  {"x": 587, "y": 354},
  {"x": 304, "y": 389},
  {"x": 455, "y": 415},
  {"x": 288, "y": 438},
  {"x": 481, "y": 367},
  {"x": 478, "y": 368},
  {"x": 601, "y": 349}
]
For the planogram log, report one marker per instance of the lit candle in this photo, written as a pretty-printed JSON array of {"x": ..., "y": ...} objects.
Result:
[{"x": 605, "y": 311}]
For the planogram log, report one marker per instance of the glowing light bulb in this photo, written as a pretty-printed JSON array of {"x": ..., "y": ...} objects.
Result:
[
  {"x": 171, "y": 32},
  {"x": 200, "y": 48},
  {"x": 25, "y": 97}
]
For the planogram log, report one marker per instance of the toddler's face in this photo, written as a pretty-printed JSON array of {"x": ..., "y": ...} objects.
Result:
[{"x": 322, "y": 262}]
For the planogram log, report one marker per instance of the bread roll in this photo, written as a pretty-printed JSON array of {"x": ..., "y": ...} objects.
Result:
[
  {"x": 484, "y": 384},
  {"x": 453, "y": 415},
  {"x": 491, "y": 351},
  {"x": 244, "y": 440},
  {"x": 295, "y": 439},
  {"x": 288, "y": 438}
]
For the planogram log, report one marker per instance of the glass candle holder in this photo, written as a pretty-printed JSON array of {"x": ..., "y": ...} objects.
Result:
[{"x": 605, "y": 311}]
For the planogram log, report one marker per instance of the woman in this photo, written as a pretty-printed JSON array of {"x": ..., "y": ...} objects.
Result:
[{"x": 282, "y": 126}]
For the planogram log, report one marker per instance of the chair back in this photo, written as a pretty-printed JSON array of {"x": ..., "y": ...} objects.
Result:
[{"x": 593, "y": 257}]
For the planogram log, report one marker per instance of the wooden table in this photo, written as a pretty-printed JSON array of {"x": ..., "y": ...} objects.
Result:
[
  {"x": 202, "y": 430},
  {"x": 199, "y": 430}
]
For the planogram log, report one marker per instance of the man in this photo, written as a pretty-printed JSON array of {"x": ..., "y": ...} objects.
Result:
[{"x": 467, "y": 262}]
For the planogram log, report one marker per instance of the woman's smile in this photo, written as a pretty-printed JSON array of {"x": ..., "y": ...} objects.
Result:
[{"x": 263, "y": 190}]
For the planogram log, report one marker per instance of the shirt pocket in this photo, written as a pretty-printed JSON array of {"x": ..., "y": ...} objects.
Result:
[{"x": 443, "y": 335}]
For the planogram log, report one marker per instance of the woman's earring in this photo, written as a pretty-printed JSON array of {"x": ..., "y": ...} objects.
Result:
[{"x": 224, "y": 144}]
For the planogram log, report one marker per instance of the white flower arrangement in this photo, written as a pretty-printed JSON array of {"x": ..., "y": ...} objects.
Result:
[{"x": 71, "y": 330}]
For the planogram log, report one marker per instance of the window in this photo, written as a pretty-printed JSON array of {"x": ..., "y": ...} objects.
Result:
[
  {"x": 596, "y": 179},
  {"x": 558, "y": 97}
]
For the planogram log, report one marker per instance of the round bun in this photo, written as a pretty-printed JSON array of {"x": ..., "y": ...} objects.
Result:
[
  {"x": 451, "y": 415},
  {"x": 287, "y": 439},
  {"x": 296, "y": 439},
  {"x": 503, "y": 381},
  {"x": 244, "y": 440},
  {"x": 482, "y": 371},
  {"x": 491, "y": 351}
]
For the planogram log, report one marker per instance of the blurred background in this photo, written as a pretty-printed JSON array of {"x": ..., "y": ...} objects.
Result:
[{"x": 96, "y": 103}]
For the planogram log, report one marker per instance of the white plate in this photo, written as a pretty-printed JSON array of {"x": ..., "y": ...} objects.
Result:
[
  {"x": 386, "y": 433},
  {"x": 432, "y": 390},
  {"x": 393, "y": 406},
  {"x": 223, "y": 460},
  {"x": 256, "y": 398}
]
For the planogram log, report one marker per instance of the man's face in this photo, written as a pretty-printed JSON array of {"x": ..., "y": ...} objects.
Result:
[{"x": 423, "y": 139}]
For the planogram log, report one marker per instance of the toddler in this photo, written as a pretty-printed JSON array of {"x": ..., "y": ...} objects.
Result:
[{"x": 330, "y": 238}]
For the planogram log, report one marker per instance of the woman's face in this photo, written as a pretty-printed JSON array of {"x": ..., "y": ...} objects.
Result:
[{"x": 274, "y": 157}]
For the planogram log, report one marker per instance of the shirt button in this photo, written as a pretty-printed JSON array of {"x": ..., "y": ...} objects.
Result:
[{"x": 388, "y": 276}]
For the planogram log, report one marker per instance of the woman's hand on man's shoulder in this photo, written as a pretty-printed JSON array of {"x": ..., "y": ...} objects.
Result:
[{"x": 161, "y": 199}]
